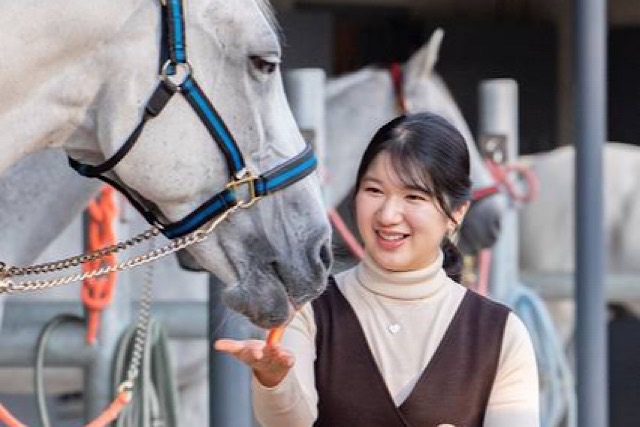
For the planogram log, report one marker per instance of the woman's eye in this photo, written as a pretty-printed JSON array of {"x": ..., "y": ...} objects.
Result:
[
  {"x": 373, "y": 190},
  {"x": 417, "y": 197}
]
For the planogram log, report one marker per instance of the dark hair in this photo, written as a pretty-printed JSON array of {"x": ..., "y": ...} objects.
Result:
[{"x": 428, "y": 153}]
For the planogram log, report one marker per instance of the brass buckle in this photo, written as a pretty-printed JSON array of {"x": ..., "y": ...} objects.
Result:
[{"x": 249, "y": 179}]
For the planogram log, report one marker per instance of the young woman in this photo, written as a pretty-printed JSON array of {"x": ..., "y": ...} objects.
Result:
[{"x": 396, "y": 341}]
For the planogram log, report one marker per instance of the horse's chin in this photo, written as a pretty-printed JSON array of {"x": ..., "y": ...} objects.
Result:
[
  {"x": 261, "y": 283},
  {"x": 260, "y": 296},
  {"x": 188, "y": 262}
]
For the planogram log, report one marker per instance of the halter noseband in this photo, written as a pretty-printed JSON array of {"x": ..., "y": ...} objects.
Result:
[{"x": 173, "y": 56}]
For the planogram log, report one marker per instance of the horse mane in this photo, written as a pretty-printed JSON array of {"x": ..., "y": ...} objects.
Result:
[
  {"x": 270, "y": 15},
  {"x": 343, "y": 83}
]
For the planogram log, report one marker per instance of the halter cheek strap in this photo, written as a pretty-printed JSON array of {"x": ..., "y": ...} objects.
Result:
[{"x": 173, "y": 57}]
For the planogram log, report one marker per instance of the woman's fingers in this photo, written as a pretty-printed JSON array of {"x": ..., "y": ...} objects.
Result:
[
  {"x": 256, "y": 353},
  {"x": 270, "y": 363},
  {"x": 248, "y": 351},
  {"x": 234, "y": 346},
  {"x": 228, "y": 346}
]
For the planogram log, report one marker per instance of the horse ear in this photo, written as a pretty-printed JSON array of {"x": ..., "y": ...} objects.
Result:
[{"x": 421, "y": 63}]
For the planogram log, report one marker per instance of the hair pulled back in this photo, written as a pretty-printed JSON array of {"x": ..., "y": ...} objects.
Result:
[{"x": 427, "y": 153}]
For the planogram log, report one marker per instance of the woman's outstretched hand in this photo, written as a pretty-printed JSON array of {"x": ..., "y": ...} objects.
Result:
[{"x": 270, "y": 363}]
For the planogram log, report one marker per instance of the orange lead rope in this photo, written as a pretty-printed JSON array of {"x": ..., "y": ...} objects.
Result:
[
  {"x": 97, "y": 292},
  {"x": 110, "y": 414},
  {"x": 7, "y": 419}
]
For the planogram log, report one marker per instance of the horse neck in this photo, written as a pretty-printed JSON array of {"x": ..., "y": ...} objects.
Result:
[
  {"x": 39, "y": 197},
  {"x": 54, "y": 73},
  {"x": 358, "y": 104},
  {"x": 448, "y": 108}
]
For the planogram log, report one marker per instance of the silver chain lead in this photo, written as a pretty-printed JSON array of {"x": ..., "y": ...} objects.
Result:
[
  {"x": 197, "y": 236},
  {"x": 76, "y": 260},
  {"x": 142, "y": 327}
]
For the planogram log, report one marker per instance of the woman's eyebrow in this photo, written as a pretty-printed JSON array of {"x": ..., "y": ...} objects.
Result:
[
  {"x": 416, "y": 188},
  {"x": 371, "y": 179}
]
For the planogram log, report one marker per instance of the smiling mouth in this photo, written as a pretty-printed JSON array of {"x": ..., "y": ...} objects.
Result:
[
  {"x": 391, "y": 237},
  {"x": 390, "y": 241}
]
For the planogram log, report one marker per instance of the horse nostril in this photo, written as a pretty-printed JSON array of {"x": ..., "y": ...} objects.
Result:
[{"x": 326, "y": 256}]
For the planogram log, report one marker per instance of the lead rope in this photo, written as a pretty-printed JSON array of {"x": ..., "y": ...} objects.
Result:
[
  {"x": 8, "y": 419},
  {"x": 125, "y": 389},
  {"x": 9, "y": 286},
  {"x": 97, "y": 292},
  {"x": 154, "y": 402}
]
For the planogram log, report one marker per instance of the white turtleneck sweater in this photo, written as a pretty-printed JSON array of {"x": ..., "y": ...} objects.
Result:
[{"x": 421, "y": 303}]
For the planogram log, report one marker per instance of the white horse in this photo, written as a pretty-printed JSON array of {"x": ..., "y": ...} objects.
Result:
[
  {"x": 547, "y": 224},
  {"x": 85, "y": 89},
  {"x": 548, "y": 221},
  {"x": 359, "y": 103}
]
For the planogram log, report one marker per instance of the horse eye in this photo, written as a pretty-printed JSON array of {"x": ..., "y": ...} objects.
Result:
[{"x": 265, "y": 66}]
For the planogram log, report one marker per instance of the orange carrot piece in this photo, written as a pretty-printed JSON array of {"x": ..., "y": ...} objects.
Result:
[{"x": 275, "y": 335}]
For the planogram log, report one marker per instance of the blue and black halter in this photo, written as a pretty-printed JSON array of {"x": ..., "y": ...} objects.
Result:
[{"x": 173, "y": 56}]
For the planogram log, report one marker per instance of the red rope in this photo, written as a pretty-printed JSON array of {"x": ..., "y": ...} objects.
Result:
[
  {"x": 484, "y": 268},
  {"x": 397, "y": 77},
  {"x": 8, "y": 419},
  {"x": 111, "y": 413},
  {"x": 354, "y": 246},
  {"x": 483, "y": 192},
  {"x": 97, "y": 292},
  {"x": 502, "y": 174}
]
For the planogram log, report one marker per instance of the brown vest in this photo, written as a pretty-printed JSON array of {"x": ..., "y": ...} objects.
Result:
[{"x": 453, "y": 389}]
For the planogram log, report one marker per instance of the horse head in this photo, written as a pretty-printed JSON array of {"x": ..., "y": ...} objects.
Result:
[
  {"x": 269, "y": 257},
  {"x": 424, "y": 90}
]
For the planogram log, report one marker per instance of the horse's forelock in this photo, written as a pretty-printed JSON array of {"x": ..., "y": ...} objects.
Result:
[{"x": 269, "y": 14}]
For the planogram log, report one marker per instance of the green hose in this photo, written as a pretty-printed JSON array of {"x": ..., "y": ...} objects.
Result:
[{"x": 155, "y": 397}]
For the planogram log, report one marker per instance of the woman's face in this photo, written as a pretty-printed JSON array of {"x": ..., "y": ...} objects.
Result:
[{"x": 402, "y": 227}]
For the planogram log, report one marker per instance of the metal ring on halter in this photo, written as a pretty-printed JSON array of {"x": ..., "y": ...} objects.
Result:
[
  {"x": 249, "y": 180},
  {"x": 169, "y": 79}
]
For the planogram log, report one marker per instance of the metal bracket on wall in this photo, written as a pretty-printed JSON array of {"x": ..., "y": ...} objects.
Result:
[{"x": 493, "y": 146}]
